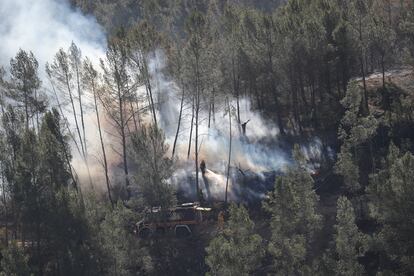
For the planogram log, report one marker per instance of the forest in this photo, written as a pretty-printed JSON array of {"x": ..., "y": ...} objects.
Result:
[{"x": 283, "y": 128}]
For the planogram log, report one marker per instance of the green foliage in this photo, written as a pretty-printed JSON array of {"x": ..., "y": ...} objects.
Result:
[
  {"x": 54, "y": 151},
  {"x": 349, "y": 242},
  {"x": 348, "y": 169},
  {"x": 382, "y": 34},
  {"x": 47, "y": 212},
  {"x": 24, "y": 72},
  {"x": 294, "y": 221},
  {"x": 25, "y": 82},
  {"x": 124, "y": 254},
  {"x": 237, "y": 250},
  {"x": 356, "y": 130},
  {"x": 293, "y": 63},
  {"x": 397, "y": 105},
  {"x": 154, "y": 168},
  {"x": 391, "y": 193},
  {"x": 14, "y": 261},
  {"x": 299, "y": 157}
]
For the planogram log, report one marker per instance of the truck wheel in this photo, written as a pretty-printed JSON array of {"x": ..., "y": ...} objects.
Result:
[{"x": 182, "y": 231}]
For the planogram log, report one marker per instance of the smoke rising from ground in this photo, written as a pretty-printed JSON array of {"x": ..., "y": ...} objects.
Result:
[
  {"x": 256, "y": 153},
  {"x": 45, "y": 26},
  {"x": 249, "y": 152}
]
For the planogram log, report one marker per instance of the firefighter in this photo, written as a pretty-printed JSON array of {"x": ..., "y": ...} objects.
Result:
[
  {"x": 244, "y": 127},
  {"x": 203, "y": 167}
]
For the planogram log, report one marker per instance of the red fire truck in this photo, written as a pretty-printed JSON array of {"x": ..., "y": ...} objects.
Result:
[{"x": 181, "y": 220}]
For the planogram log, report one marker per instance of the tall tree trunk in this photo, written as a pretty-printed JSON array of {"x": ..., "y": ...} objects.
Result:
[
  {"x": 383, "y": 71},
  {"x": 65, "y": 119},
  {"x": 85, "y": 154},
  {"x": 191, "y": 129},
  {"x": 314, "y": 109},
  {"x": 276, "y": 97},
  {"x": 134, "y": 120},
  {"x": 179, "y": 122},
  {"x": 197, "y": 112},
  {"x": 3, "y": 186},
  {"x": 123, "y": 137},
  {"x": 328, "y": 80},
  {"x": 228, "y": 164},
  {"x": 361, "y": 61},
  {"x": 345, "y": 78},
  {"x": 366, "y": 111},
  {"x": 26, "y": 109},
  {"x": 74, "y": 113},
  {"x": 213, "y": 108},
  {"x": 210, "y": 108},
  {"x": 390, "y": 11},
  {"x": 149, "y": 91},
  {"x": 209, "y": 114},
  {"x": 67, "y": 157},
  {"x": 236, "y": 89},
  {"x": 295, "y": 108},
  {"x": 81, "y": 108},
  {"x": 37, "y": 113},
  {"x": 108, "y": 185}
]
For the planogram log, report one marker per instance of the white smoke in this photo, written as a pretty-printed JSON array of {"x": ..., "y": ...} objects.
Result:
[
  {"x": 254, "y": 154},
  {"x": 45, "y": 26},
  {"x": 257, "y": 152},
  {"x": 250, "y": 152}
]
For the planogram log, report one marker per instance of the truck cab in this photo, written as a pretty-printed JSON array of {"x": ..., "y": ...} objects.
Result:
[{"x": 180, "y": 220}]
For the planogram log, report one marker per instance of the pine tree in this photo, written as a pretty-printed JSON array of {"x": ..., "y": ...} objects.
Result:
[
  {"x": 91, "y": 82},
  {"x": 26, "y": 186},
  {"x": 154, "y": 168},
  {"x": 349, "y": 242},
  {"x": 196, "y": 54},
  {"x": 392, "y": 195},
  {"x": 143, "y": 41},
  {"x": 75, "y": 61},
  {"x": 25, "y": 83},
  {"x": 237, "y": 250},
  {"x": 358, "y": 19},
  {"x": 124, "y": 254},
  {"x": 60, "y": 70},
  {"x": 13, "y": 127},
  {"x": 382, "y": 35},
  {"x": 55, "y": 153},
  {"x": 61, "y": 225},
  {"x": 348, "y": 169},
  {"x": 14, "y": 262},
  {"x": 118, "y": 91},
  {"x": 356, "y": 132},
  {"x": 294, "y": 222}
]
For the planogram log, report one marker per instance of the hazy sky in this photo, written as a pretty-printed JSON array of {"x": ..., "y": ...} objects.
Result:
[{"x": 44, "y": 26}]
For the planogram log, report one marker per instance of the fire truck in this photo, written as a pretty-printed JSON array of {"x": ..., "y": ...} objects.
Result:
[{"x": 181, "y": 220}]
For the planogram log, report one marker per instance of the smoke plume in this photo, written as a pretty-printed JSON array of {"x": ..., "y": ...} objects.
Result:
[
  {"x": 253, "y": 154},
  {"x": 45, "y": 26}
]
